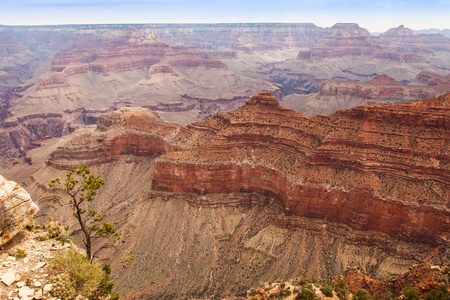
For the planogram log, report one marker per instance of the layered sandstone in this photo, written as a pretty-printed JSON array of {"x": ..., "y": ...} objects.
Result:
[
  {"x": 18, "y": 133},
  {"x": 127, "y": 131},
  {"x": 341, "y": 40},
  {"x": 348, "y": 52},
  {"x": 16, "y": 61},
  {"x": 382, "y": 90},
  {"x": 404, "y": 39},
  {"x": 263, "y": 192},
  {"x": 381, "y": 171}
]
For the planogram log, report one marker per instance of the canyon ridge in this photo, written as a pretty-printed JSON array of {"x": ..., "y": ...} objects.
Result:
[
  {"x": 263, "y": 192},
  {"x": 235, "y": 154}
]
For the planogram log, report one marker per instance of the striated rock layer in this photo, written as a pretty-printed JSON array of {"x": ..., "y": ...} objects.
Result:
[
  {"x": 129, "y": 130},
  {"x": 379, "y": 171},
  {"x": 382, "y": 90},
  {"x": 263, "y": 192}
]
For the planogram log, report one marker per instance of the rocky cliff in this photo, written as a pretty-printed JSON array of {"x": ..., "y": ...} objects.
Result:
[
  {"x": 133, "y": 131},
  {"x": 264, "y": 192},
  {"x": 338, "y": 94},
  {"x": 188, "y": 72},
  {"x": 16, "y": 61},
  {"x": 349, "y": 52},
  {"x": 105, "y": 73},
  {"x": 347, "y": 169},
  {"x": 341, "y": 40},
  {"x": 424, "y": 277}
]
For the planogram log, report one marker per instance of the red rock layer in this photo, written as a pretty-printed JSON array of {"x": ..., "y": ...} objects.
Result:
[
  {"x": 51, "y": 81},
  {"x": 382, "y": 170},
  {"x": 135, "y": 131},
  {"x": 425, "y": 277},
  {"x": 380, "y": 90},
  {"x": 403, "y": 39},
  {"x": 132, "y": 51},
  {"x": 342, "y": 40},
  {"x": 18, "y": 133}
]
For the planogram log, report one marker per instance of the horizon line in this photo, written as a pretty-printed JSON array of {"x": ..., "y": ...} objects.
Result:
[{"x": 202, "y": 23}]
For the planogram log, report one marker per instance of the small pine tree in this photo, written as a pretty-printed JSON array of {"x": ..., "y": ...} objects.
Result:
[{"x": 81, "y": 188}]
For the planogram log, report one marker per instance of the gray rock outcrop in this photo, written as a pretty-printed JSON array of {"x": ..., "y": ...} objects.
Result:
[{"x": 16, "y": 209}]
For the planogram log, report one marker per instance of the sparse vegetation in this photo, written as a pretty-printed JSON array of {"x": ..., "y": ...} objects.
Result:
[
  {"x": 341, "y": 290},
  {"x": 437, "y": 294},
  {"x": 411, "y": 293},
  {"x": 81, "y": 188},
  {"x": 307, "y": 293},
  {"x": 362, "y": 294},
  {"x": 303, "y": 281},
  {"x": 327, "y": 290},
  {"x": 77, "y": 275},
  {"x": 18, "y": 253}
]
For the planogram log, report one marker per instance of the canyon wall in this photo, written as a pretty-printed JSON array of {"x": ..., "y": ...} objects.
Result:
[
  {"x": 382, "y": 90},
  {"x": 263, "y": 192},
  {"x": 376, "y": 169}
]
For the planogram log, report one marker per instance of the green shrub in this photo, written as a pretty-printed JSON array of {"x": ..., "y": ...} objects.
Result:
[
  {"x": 362, "y": 294},
  {"x": 341, "y": 290},
  {"x": 411, "y": 293},
  {"x": 435, "y": 295},
  {"x": 327, "y": 290},
  {"x": 307, "y": 293},
  {"x": 303, "y": 281},
  {"x": 77, "y": 273},
  {"x": 443, "y": 288},
  {"x": 63, "y": 287},
  {"x": 18, "y": 253}
]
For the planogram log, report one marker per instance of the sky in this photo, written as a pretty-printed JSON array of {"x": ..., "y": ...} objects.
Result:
[{"x": 374, "y": 15}]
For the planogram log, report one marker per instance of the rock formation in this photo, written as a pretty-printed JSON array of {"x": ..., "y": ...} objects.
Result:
[
  {"x": 349, "y": 168},
  {"x": 135, "y": 131},
  {"x": 382, "y": 90},
  {"x": 424, "y": 277},
  {"x": 104, "y": 73},
  {"x": 189, "y": 72},
  {"x": 18, "y": 133},
  {"x": 16, "y": 61},
  {"x": 264, "y": 192},
  {"x": 341, "y": 40},
  {"x": 364, "y": 161},
  {"x": 349, "y": 52},
  {"x": 16, "y": 209}
]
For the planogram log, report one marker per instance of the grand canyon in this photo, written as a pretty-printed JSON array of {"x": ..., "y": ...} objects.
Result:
[{"x": 235, "y": 154}]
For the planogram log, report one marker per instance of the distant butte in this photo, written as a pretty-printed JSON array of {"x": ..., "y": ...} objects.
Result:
[{"x": 263, "y": 98}]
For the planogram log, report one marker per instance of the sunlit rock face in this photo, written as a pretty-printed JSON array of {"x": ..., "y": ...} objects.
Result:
[
  {"x": 16, "y": 209},
  {"x": 376, "y": 169},
  {"x": 263, "y": 192}
]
